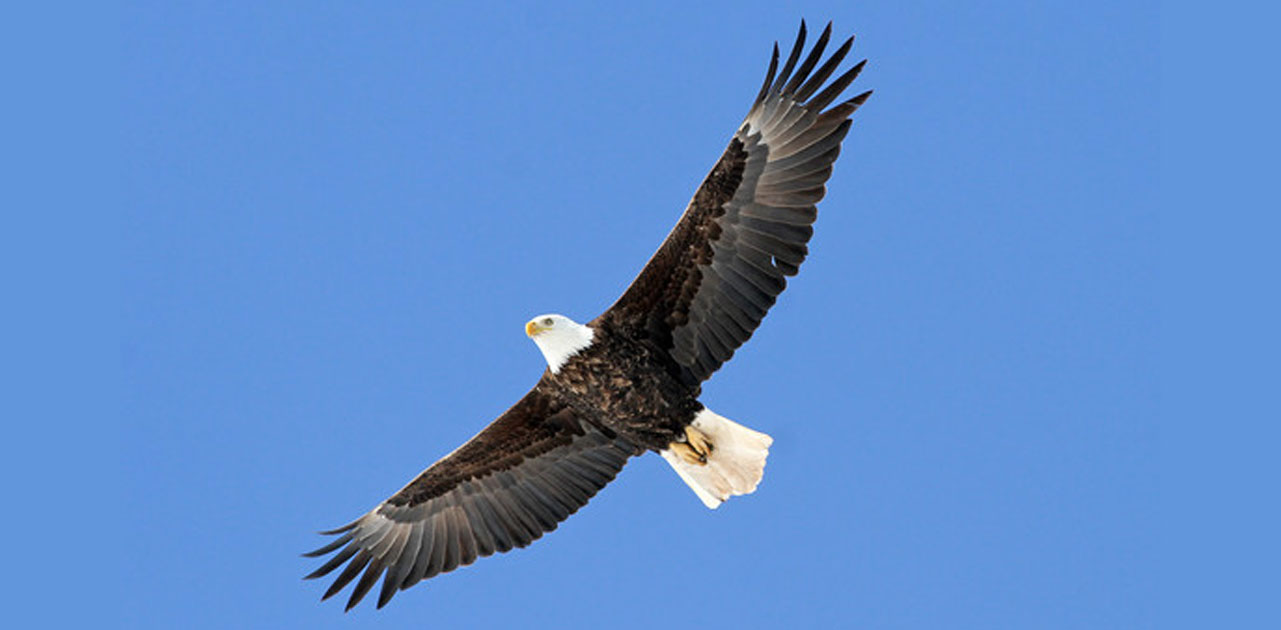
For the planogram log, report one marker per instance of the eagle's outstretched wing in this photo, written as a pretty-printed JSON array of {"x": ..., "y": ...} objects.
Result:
[
  {"x": 516, "y": 480},
  {"x": 711, "y": 282}
]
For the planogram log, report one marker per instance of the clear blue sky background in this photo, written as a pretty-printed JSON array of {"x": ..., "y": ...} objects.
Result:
[{"x": 337, "y": 219}]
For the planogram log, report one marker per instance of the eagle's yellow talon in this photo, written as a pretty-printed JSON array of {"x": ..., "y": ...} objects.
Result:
[
  {"x": 699, "y": 441},
  {"x": 695, "y": 449}
]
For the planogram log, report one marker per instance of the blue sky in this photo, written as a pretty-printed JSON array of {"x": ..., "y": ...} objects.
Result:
[{"x": 336, "y": 219}]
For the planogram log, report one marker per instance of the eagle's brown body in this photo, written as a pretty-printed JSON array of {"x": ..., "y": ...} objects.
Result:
[{"x": 626, "y": 384}]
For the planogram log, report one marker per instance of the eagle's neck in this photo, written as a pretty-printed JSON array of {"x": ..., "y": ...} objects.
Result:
[{"x": 564, "y": 342}]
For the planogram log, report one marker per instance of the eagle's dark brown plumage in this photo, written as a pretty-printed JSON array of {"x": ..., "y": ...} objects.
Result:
[{"x": 634, "y": 386}]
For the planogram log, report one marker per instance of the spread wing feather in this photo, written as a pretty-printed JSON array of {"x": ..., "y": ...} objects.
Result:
[
  {"x": 505, "y": 488},
  {"x": 712, "y": 281}
]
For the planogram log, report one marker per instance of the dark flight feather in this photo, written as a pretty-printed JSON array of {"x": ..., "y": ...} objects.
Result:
[
  {"x": 707, "y": 288},
  {"x": 515, "y": 481}
]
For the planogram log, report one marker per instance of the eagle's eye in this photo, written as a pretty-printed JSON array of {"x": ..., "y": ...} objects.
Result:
[{"x": 547, "y": 321}]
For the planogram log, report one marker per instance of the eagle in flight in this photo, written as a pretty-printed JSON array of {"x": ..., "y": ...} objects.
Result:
[{"x": 628, "y": 381}]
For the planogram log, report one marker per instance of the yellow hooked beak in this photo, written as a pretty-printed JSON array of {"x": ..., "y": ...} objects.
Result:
[{"x": 532, "y": 328}]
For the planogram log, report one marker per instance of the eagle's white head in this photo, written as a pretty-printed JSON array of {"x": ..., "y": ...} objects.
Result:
[{"x": 559, "y": 338}]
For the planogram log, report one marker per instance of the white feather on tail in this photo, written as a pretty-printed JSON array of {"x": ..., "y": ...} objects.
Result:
[{"x": 734, "y": 466}]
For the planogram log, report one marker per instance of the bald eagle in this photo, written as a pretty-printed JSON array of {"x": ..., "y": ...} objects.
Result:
[{"x": 628, "y": 381}]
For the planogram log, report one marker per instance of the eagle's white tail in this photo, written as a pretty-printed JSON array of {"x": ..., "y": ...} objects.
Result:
[{"x": 734, "y": 465}]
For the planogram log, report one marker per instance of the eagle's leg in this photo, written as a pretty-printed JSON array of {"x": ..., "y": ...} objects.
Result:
[{"x": 696, "y": 447}]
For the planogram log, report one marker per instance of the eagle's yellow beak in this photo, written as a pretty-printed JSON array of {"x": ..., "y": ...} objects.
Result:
[{"x": 532, "y": 328}]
